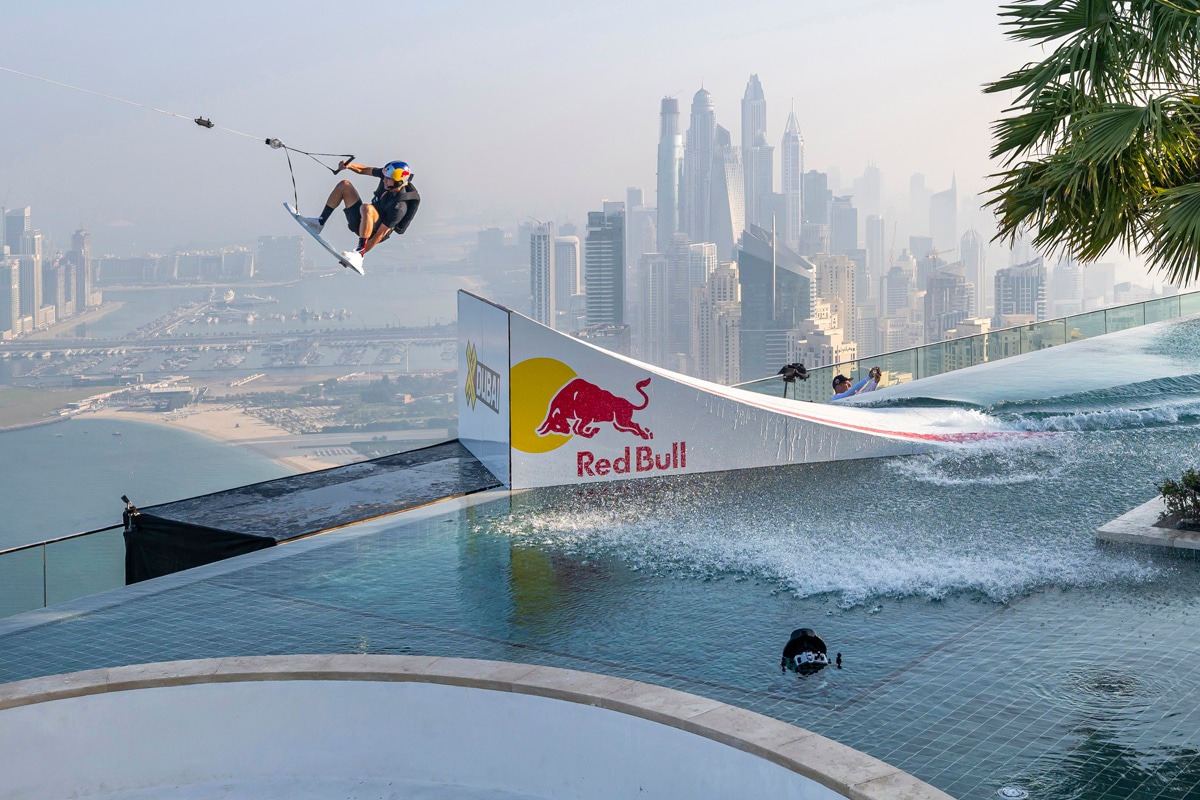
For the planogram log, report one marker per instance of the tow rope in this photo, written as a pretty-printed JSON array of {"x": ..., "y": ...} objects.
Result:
[{"x": 274, "y": 144}]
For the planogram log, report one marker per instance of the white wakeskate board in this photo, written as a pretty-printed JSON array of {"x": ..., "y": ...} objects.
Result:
[{"x": 343, "y": 258}]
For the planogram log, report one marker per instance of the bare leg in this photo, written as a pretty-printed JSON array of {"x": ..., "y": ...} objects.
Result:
[
  {"x": 344, "y": 192},
  {"x": 370, "y": 218}
]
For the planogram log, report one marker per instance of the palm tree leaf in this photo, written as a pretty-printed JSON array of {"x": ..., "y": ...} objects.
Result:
[{"x": 1175, "y": 245}]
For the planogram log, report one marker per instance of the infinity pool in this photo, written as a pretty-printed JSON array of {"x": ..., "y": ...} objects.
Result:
[{"x": 987, "y": 640}]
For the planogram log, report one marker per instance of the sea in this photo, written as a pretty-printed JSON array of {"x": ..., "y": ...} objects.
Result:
[{"x": 68, "y": 477}]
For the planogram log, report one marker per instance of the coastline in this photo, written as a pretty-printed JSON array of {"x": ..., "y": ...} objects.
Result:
[{"x": 228, "y": 424}]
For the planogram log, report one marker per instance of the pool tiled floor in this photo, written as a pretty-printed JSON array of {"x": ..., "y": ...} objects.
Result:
[{"x": 1034, "y": 694}]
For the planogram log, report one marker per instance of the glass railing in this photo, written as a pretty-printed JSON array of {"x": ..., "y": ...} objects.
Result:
[
  {"x": 915, "y": 363},
  {"x": 42, "y": 574}
]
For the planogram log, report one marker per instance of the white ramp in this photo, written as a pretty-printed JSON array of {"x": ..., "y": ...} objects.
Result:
[{"x": 566, "y": 412}]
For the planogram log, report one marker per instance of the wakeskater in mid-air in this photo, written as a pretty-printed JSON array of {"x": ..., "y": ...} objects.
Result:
[{"x": 391, "y": 210}]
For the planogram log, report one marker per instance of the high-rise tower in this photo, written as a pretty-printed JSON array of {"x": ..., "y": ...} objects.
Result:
[
  {"x": 542, "y": 276},
  {"x": 972, "y": 252},
  {"x": 943, "y": 217},
  {"x": 566, "y": 277},
  {"x": 605, "y": 265},
  {"x": 727, "y": 210},
  {"x": 17, "y": 223},
  {"x": 791, "y": 157},
  {"x": 80, "y": 257},
  {"x": 670, "y": 172},
  {"x": 757, "y": 157},
  {"x": 697, "y": 166}
]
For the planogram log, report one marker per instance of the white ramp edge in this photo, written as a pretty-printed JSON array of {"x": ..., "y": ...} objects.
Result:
[{"x": 540, "y": 408}]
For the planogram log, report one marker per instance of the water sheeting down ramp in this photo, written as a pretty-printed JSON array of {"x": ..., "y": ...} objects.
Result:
[{"x": 200, "y": 530}]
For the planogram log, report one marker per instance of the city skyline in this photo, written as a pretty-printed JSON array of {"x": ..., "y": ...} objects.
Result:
[{"x": 843, "y": 80}]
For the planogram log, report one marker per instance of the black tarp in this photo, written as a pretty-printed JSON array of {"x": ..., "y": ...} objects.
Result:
[
  {"x": 156, "y": 546},
  {"x": 199, "y": 530}
]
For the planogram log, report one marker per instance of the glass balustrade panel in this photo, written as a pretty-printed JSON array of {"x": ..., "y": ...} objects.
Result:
[
  {"x": 1124, "y": 318},
  {"x": 1041, "y": 335},
  {"x": 85, "y": 565},
  {"x": 1085, "y": 326},
  {"x": 21, "y": 587},
  {"x": 1189, "y": 304},
  {"x": 1159, "y": 310}
]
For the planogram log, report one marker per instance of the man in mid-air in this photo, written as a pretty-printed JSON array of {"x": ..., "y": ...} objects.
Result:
[{"x": 391, "y": 209}]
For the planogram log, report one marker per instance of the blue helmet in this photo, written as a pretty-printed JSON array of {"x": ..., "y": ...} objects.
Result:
[{"x": 397, "y": 171}]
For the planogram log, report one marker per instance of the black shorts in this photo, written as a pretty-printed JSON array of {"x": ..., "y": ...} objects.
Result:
[{"x": 354, "y": 219}]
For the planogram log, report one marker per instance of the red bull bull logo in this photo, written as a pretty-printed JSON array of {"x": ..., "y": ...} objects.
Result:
[
  {"x": 553, "y": 406},
  {"x": 581, "y": 407}
]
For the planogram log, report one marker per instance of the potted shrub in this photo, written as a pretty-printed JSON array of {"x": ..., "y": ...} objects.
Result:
[{"x": 1182, "y": 499}]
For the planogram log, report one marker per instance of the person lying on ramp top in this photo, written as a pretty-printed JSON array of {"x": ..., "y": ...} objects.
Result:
[{"x": 391, "y": 209}]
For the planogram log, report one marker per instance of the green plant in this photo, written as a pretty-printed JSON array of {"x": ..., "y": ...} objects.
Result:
[
  {"x": 1183, "y": 496},
  {"x": 1101, "y": 146}
]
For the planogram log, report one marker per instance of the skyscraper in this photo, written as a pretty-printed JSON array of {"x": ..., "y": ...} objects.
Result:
[
  {"x": 754, "y": 114},
  {"x": 697, "y": 166},
  {"x": 1020, "y": 291},
  {"x": 17, "y": 223},
  {"x": 80, "y": 257},
  {"x": 757, "y": 156},
  {"x": 10, "y": 295},
  {"x": 918, "y": 205},
  {"x": 943, "y": 217},
  {"x": 868, "y": 190},
  {"x": 31, "y": 285},
  {"x": 604, "y": 266},
  {"x": 817, "y": 195},
  {"x": 893, "y": 292},
  {"x": 654, "y": 309},
  {"x": 727, "y": 212},
  {"x": 876, "y": 254},
  {"x": 639, "y": 238},
  {"x": 542, "y": 274},
  {"x": 777, "y": 290},
  {"x": 716, "y": 323},
  {"x": 791, "y": 157},
  {"x": 566, "y": 277},
  {"x": 972, "y": 252},
  {"x": 837, "y": 284},
  {"x": 843, "y": 225},
  {"x": 679, "y": 260},
  {"x": 670, "y": 173},
  {"x": 702, "y": 262},
  {"x": 949, "y": 299}
]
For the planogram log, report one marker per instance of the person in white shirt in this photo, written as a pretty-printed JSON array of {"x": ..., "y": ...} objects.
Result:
[{"x": 843, "y": 389}]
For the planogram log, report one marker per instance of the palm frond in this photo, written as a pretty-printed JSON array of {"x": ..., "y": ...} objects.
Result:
[{"x": 1175, "y": 220}]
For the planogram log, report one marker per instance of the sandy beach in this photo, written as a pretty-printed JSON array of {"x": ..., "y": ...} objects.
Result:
[{"x": 232, "y": 425}]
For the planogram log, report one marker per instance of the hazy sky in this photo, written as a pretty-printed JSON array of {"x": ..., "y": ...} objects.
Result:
[{"x": 503, "y": 109}]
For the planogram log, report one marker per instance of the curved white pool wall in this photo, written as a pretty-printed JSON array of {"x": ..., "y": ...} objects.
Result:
[{"x": 412, "y": 726}]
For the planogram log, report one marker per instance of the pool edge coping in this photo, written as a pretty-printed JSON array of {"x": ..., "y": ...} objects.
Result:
[
  {"x": 844, "y": 770},
  {"x": 1136, "y": 526}
]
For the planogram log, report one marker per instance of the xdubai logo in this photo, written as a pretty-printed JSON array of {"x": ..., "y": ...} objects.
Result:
[
  {"x": 551, "y": 405},
  {"x": 483, "y": 382}
]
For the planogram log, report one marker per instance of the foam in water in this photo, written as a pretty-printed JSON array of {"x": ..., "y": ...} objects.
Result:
[{"x": 1000, "y": 517}]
